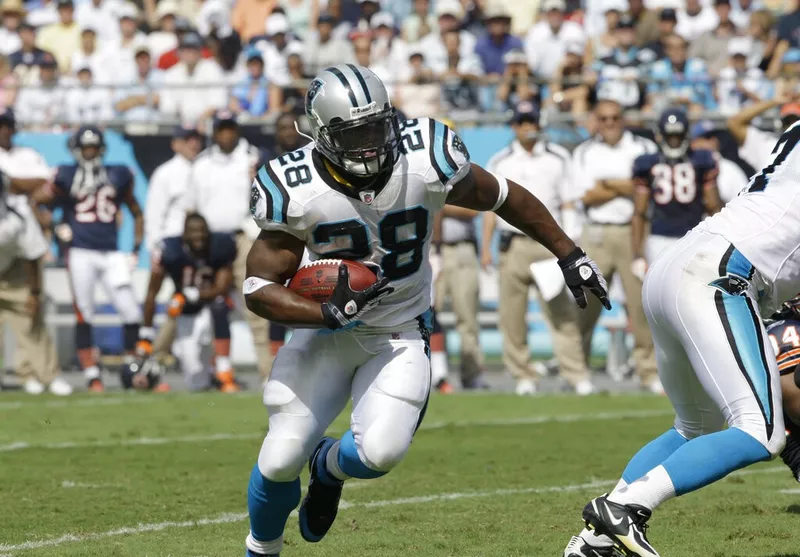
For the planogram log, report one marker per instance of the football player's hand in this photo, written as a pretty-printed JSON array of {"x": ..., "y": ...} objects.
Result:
[
  {"x": 580, "y": 272},
  {"x": 175, "y": 307},
  {"x": 639, "y": 268},
  {"x": 192, "y": 294},
  {"x": 347, "y": 305}
]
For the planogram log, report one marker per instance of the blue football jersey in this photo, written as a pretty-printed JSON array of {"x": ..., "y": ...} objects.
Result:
[
  {"x": 186, "y": 269},
  {"x": 785, "y": 338},
  {"x": 676, "y": 189},
  {"x": 90, "y": 202}
]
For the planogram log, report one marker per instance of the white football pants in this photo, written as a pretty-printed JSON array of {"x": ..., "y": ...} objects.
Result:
[
  {"x": 656, "y": 245},
  {"x": 714, "y": 357},
  {"x": 386, "y": 375},
  {"x": 110, "y": 269}
]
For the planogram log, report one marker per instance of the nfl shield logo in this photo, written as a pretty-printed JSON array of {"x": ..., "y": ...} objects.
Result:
[{"x": 367, "y": 196}]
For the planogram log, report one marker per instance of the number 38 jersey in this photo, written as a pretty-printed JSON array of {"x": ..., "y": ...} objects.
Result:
[
  {"x": 676, "y": 189},
  {"x": 90, "y": 198},
  {"x": 390, "y": 226}
]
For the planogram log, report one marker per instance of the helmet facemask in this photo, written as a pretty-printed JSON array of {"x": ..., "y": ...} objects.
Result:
[{"x": 363, "y": 147}]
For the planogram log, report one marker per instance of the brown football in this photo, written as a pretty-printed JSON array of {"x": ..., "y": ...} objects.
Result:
[{"x": 317, "y": 280}]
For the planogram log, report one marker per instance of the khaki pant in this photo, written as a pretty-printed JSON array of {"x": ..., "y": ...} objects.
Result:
[
  {"x": 162, "y": 346},
  {"x": 36, "y": 356},
  {"x": 459, "y": 279},
  {"x": 259, "y": 327},
  {"x": 559, "y": 314},
  {"x": 610, "y": 247}
]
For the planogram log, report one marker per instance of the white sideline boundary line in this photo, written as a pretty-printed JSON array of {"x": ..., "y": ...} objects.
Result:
[
  {"x": 531, "y": 420},
  {"x": 104, "y": 401},
  {"x": 228, "y": 518}
]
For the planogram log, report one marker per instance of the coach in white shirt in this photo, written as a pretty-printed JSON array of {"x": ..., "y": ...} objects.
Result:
[
  {"x": 547, "y": 41},
  {"x": 755, "y": 145},
  {"x": 542, "y": 168},
  {"x": 601, "y": 178},
  {"x": 219, "y": 189}
]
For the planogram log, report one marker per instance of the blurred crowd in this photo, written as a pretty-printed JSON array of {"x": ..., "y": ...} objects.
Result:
[{"x": 115, "y": 61}]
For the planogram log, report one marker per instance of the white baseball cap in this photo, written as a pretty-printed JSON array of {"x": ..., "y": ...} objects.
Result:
[
  {"x": 449, "y": 7},
  {"x": 382, "y": 19},
  {"x": 275, "y": 24},
  {"x": 548, "y": 5}
]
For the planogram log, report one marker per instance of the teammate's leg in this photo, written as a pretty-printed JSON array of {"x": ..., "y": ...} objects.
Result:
[
  {"x": 308, "y": 387},
  {"x": 83, "y": 268}
]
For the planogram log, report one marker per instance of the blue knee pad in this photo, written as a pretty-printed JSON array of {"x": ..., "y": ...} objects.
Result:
[
  {"x": 653, "y": 454},
  {"x": 270, "y": 504},
  {"x": 83, "y": 336},
  {"x": 219, "y": 315},
  {"x": 349, "y": 461}
]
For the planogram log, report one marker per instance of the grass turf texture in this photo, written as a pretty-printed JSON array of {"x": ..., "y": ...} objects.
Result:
[{"x": 138, "y": 459}]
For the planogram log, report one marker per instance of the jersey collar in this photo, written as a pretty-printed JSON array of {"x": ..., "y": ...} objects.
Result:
[{"x": 332, "y": 178}]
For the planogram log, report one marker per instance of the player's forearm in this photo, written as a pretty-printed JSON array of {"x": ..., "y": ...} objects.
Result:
[
  {"x": 460, "y": 213},
  {"x": 275, "y": 302},
  {"x": 598, "y": 196},
  {"x": 737, "y": 124},
  {"x": 138, "y": 232},
  {"x": 26, "y": 185},
  {"x": 526, "y": 212}
]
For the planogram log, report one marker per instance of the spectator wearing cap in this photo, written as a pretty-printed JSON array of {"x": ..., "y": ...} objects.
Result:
[
  {"x": 542, "y": 168},
  {"x": 678, "y": 79},
  {"x": 388, "y": 49},
  {"x": 323, "y": 49},
  {"x": 192, "y": 88},
  {"x": 712, "y": 46},
  {"x": 497, "y": 42},
  {"x": 517, "y": 83},
  {"x": 62, "y": 38},
  {"x": 172, "y": 57},
  {"x": 788, "y": 38},
  {"x": 46, "y": 13},
  {"x": 602, "y": 187},
  {"x": 667, "y": 21},
  {"x": 214, "y": 19},
  {"x": 620, "y": 75},
  {"x": 567, "y": 91},
  {"x": 219, "y": 189},
  {"x": 461, "y": 78},
  {"x": 276, "y": 46},
  {"x": 12, "y": 13},
  {"x": 420, "y": 93},
  {"x": 25, "y": 61},
  {"x": 645, "y": 20},
  {"x": 294, "y": 94},
  {"x": 600, "y": 16},
  {"x": 42, "y": 105},
  {"x": 100, "y": 15},
  {"x": 164, "y": 210},
  {"x": 163, "y": 37},
  {"x": 86, "y": 103},
  {"x": 449, "y": 15},
  {"x": 755, "y": 145},
  {"x": 137, "y": 98},
  {"x": 248, "y": 17},
  {"x": 255, "y": 95},
  {"x": 788, "y": 81},
  {"x": 546, "y": 42},
  {"x": 739, "y": 85},
  {"x": 731, "y": 179},
  {"x": 367, "y": 9},
  {"x": 695, "y": 19},
  {"x": 118, "y": 54},
  {"x": 420, "y": 23},
  {"x": 88, "y": 55},
  {"x": 602, "y": 44},
  {"x": 364, "y": 49}
]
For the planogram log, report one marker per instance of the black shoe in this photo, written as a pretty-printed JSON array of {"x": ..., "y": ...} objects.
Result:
[
  {"x": 791, "y": 456},
  {"x": 248, "y": 553},
  {"x": 319, "y": 508},
  {"x": 626, "y": 525},
  {"x": 578, "y": 547},
  {"x": 477, "y": 383}
]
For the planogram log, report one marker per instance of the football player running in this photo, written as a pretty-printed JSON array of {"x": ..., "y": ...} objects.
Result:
[
  {"x": 674, "y": 188},
  {"x": 702, "y": 299},
  {"x": 366, "y": 189}
]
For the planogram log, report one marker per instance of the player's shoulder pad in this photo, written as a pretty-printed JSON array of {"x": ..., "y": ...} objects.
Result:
[
  {"x": 222, "y": 248},
  {"x": 643, "y": 164},
  {"x": 119, "y": 174},
  {"x": 281, "y": 189},
  {"x": 448, "y": 158},
  {"x": 703, "y": 158},
  {"x": 171, "y": 250}
]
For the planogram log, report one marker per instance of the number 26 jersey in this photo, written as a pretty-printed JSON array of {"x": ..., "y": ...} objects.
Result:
[{"x": 389, "y": 226}]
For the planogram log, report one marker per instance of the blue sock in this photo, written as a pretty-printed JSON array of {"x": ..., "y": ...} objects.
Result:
[
  {"x": 653, "y": 454},
  {"x": 708, "y": 458},
  {"x": 270, "y": 504},
  {"x": 349, "y": 461}
]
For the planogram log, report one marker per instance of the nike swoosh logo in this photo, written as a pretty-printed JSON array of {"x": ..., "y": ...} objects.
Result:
[{"x": 614, "y": 520}]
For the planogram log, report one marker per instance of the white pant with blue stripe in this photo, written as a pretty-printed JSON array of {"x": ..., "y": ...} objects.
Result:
[{"x": 714, "y": 357}]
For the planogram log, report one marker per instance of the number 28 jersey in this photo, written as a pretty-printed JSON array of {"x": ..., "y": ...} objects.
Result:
[
  {"x": 389, "y": 227},
  {"x": 676, "y": 188}
]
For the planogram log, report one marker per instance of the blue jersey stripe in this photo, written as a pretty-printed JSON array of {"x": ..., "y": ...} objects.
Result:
[
  {"x": 439, "y": 142},
  {"x": 274, "y": 194}
]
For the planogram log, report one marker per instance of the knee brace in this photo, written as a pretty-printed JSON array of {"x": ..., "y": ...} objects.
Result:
[
  {"x": 83, "y": 336},
  {"x": 219, "y": 315}
]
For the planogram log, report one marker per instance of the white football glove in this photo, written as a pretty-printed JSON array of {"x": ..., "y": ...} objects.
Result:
[
  {"x": 639, "y": 268},
  {"x": 191, "y": 293}
]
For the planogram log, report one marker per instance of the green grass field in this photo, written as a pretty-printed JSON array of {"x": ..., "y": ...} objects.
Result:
[{"x": 495, "y": 475}]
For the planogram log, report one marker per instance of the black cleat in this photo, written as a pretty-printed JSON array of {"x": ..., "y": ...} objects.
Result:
[
  {"x": 578, "y": 547},
  {"x": 791, "y": 456},
  {"x": 321, "y": 504},
  {"x": 626, "y": 525}
]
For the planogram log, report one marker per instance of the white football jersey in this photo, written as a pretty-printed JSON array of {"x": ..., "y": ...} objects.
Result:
[
  {"x": 763, "y": 221},
  {"x": 390, "y": 227}
]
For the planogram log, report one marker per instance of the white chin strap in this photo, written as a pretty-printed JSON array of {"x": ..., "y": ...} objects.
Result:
[{"x": 675, "y": 152}]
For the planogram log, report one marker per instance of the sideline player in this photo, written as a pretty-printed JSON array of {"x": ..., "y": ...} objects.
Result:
[
  {"x": 366, "y": 189},
  {"x": 91, "y": 194},
  {"x": 714, "y": 360},
  {"x": 784, "y": 334},
  {"x": 675, "y": 186},
  {"x": 201, "y": 266}
]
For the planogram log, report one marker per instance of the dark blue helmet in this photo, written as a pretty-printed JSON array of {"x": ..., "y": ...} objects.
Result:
[
  {"x": 673, "y": 132},
  {"x": 87, "y": 136}
]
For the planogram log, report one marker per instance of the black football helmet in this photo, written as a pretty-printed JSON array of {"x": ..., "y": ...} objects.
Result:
[{"x": 673, "y": 133}]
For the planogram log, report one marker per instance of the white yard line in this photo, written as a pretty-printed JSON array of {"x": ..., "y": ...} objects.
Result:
[
  {"x": 67, "y": 484},
  {"x": 227, "y": 518},
  {"x": 530, "y": 420},
  {"x": 789, "y": 491},
  {"x": 99, "y": 401}
]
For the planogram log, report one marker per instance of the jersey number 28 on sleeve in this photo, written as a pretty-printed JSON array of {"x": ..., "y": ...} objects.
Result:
[{"x": 404, "y": 255}]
